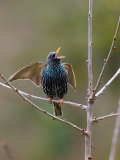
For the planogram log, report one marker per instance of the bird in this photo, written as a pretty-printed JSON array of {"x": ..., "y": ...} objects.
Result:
[{"x": 53, "y": 76}]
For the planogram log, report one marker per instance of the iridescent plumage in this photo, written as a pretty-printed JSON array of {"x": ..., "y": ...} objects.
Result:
[{"x": 54, "y": 77}]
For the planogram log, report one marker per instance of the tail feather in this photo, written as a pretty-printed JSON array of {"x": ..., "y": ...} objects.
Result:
[{"x": 57, "y": 109}]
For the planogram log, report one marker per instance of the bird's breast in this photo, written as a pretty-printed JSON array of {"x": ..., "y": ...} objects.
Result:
[{"x": 54, "y": 81}]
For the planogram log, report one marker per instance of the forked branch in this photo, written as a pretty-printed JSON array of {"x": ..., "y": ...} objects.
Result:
[{"x": 107, "y": 60}]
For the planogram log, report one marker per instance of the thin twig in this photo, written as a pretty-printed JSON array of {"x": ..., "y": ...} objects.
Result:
[
  {"x": 45, "y": 99},
  {"x": 7, "y": 149},
  {"x": 107, "y": 116},
  {"x": 107, "y": 60},
  {"x": 115, "y": 136},
  {"x": 108, "y": 83},
  {"x": 45, "y": 112},
  {"x": 90, "y": 84}
]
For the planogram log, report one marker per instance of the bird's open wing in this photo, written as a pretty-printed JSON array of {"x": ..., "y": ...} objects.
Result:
[
  {"x": 31, "y": 72},
  {"x": 71, "y": 75}
]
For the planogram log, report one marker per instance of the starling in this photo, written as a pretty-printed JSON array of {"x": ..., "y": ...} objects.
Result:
[{"x": 53, "y": 76}]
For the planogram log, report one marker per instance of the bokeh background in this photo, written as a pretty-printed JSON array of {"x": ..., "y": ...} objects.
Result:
[{"x": 29, "y": 30}]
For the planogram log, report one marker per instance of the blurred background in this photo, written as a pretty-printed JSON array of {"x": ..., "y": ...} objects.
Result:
[{"x": 29, "y": 30}]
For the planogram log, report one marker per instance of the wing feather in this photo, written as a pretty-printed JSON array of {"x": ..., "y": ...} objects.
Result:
[
  {"x": 71, "y": 75},
  {"x": 31, "y": 72}
]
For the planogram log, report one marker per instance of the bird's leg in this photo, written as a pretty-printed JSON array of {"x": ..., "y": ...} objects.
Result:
[
  {"x": 49, "y": 100},
  {"x": 60, "y": 101}
]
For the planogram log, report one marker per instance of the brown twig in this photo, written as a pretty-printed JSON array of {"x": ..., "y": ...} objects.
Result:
[
  {"x": 115, "y": 135},
  {"x": 45, "y": 112},
  {"x": 108, "y": 83},
  {"x": 7, "y": 149},
  {"x": 84, "y": 107},
  {"x": 95, "y": 119},
  {"x": 90, "y": 84},
  {"x": 107, "y": 60}
]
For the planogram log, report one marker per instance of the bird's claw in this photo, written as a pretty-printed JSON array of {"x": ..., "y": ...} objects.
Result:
[
  {"x": 49, "y": 100},
  {"x": 60, "y": 101}
]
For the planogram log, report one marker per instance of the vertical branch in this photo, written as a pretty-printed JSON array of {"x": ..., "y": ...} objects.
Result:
[
  {"x": 89, "y": 100},
  {"x": 115, "y": 136}
]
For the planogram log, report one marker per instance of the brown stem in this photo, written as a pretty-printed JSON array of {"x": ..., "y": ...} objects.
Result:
[{"x": 95, "y": 119}]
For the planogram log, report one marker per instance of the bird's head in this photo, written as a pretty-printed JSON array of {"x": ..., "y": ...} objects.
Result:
[{"x": 53, "y": 57}]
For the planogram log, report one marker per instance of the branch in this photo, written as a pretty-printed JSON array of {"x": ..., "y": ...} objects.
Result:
[
  {"x": 45, "y": 99},
  {"x": 115, "y": 136},
  {"x": 90, "y": 80},
  {"x": 7, "y": 149},
  {"x": 45, "y": 112},
  {"x": 107, "y": 60},
  {"x": 107, "y": 116},
  {"x": 108, "y": 83}
]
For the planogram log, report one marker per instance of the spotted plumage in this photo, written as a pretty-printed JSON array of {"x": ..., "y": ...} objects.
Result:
[
  {"x": 54, "y": 80},
  {"x": 54, "y": 77}
]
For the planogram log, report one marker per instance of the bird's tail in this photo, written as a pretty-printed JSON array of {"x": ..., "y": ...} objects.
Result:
[{"x": 57, "y": 109}]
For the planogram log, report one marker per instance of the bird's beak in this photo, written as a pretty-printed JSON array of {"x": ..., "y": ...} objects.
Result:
[{"x": 56, "y": 55}]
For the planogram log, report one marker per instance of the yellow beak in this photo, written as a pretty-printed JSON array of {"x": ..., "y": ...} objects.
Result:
[
  {"x": 58, "y": 52},
  {"x": 62, "y": 57}
]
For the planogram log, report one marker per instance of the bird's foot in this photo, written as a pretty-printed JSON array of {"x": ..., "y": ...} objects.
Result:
[
  {"x": 60, "y": 101},
  {"x": 49, "y": 100}
]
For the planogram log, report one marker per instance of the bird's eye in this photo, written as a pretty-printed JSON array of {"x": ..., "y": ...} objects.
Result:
[{"x": 53, "y": 56}]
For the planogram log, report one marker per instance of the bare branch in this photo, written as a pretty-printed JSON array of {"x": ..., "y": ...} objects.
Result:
[
  {"x": 108, "y": 83},
  {"x": 45, "y": 99},
  {"x": 115, "y": 136},
  {"x": 107, "y": 116},
  {"x": 7, "y": 149},
  {"x": 107, "y": 60},
  {"x": 90, "y": 84},
  {"x": 45, "y": 112}
]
